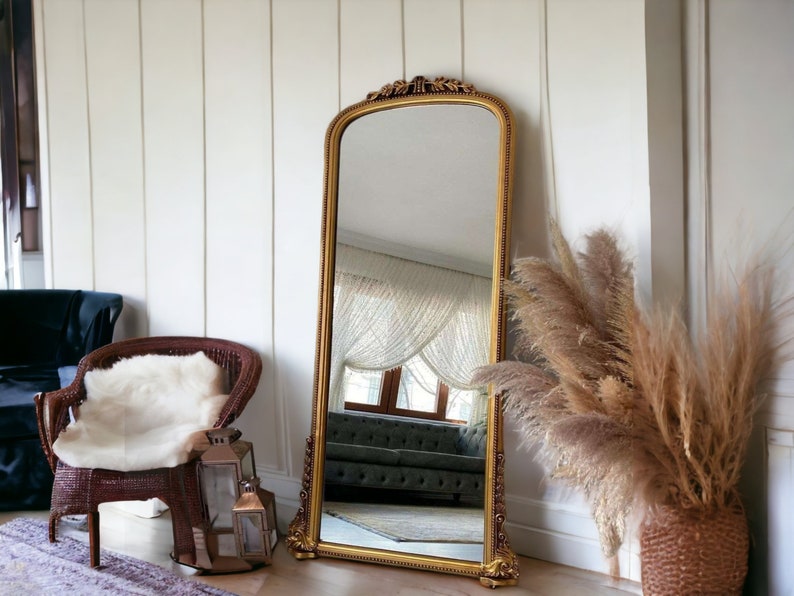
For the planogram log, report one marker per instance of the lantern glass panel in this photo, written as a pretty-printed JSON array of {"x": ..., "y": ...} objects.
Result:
[
  {"x": 220, "y": 483},
  {"x": 251, "y": 528},
  {"x": 247, "y": 465}
]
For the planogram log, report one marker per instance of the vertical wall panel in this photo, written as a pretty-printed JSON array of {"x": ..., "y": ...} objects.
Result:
[
  {"x": 68, "y": 150},
  {"x": 502, "y": 55},
  {"x": 171, "y": 34},
  {"x": 114, "y": 104},
  {"x": 239, "y": 197},
  {"x": 598, "y": 107},
  {"x": 433, "y": 42},
  {"x": 752, "y": 127},
  {"x": 664, "y": 74},
  {"x": 305, "y": 99},
  {"x": 749, "y": 73},
  {"x": 370, "y": 47}
]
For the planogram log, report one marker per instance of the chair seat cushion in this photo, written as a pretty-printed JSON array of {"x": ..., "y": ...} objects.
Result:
[{"x": 144, "y": 413}]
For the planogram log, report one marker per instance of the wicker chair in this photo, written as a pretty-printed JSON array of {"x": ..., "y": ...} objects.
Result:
[{"x": 81, "y": 490}]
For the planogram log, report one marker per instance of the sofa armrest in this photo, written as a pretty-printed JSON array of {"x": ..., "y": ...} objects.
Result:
[{"x": 89, "y": 325}]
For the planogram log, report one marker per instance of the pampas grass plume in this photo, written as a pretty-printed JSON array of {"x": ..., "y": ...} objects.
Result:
[{"x": 629, "y": 405}]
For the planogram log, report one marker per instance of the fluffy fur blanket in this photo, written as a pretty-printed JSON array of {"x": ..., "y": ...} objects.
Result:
[{"x": 143, "y": 412}]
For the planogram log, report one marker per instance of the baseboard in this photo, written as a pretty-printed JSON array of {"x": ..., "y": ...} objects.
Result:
[{"x": 566, "y": 535}]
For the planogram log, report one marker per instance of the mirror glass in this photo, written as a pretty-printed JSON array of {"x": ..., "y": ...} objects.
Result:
[
  {"x": 405, "y": 462},
  {"x": 412, "y": 293}
]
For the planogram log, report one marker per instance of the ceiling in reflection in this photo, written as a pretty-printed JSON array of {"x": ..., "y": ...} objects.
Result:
[{"x": 427, "y": 197}]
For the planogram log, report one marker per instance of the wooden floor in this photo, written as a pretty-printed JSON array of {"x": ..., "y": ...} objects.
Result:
[{"x": 150, "y": 540}]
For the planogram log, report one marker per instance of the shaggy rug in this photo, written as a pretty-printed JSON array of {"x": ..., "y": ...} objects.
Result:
[
  {"x": 411, "y": 523},
  {"x": 30, "y": 565}
]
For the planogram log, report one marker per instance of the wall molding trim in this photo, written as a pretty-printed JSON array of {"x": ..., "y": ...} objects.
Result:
[
  {"x": 697, "y": 119},
  {"x": 547, "y": 138},
  {"x": 779, "y": 492}
]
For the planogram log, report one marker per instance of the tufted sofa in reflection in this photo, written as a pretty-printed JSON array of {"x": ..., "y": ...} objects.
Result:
[{"x": 391, "y": 452}]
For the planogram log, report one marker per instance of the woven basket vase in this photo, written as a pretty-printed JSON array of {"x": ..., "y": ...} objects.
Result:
[{"x": 690, "y": 553}]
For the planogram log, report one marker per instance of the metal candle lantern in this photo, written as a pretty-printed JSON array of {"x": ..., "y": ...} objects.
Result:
[
  {"x": 254, "y": 517},
  {"x": 225, "y": 463}
]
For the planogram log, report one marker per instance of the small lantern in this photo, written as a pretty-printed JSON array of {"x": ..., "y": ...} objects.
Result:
[
  {"x": 223, "y": 465},
  {"x": 254, "y": 517}
]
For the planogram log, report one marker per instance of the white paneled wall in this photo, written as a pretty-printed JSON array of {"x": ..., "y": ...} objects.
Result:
[
  {"x": 370, "y": 47},
  {"x": 172, "y": 79},
  {"x": 491, "y": 35},
  {"x": 239, "y": 183},
  {"x": 433, "y": 43},
  {"x": 113, "y": 80},
  {"x": 747, "y": 90},
  {"x": 598, "y": 114},
  {"x": 183, "y": 150},
  {"x": 71, "y": 255},
  {"x": 305, "y": 89}
]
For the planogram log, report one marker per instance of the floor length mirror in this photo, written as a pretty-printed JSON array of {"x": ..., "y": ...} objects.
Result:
[{"x": 405, "y": 462}]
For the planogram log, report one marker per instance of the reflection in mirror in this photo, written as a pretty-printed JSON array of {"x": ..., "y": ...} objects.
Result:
[
  {"x": 428, "y": 471},
  {"x": 411, "y": 322},
  {"x": 405, "y": 462}
]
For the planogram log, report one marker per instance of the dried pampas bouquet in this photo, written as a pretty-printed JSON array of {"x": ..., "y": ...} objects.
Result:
[
  {"x": 626, "y": 405},
  {"x": 573, "y": 388}
]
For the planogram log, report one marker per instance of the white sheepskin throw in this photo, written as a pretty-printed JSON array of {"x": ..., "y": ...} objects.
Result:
[{"x": 143, "y": 412}]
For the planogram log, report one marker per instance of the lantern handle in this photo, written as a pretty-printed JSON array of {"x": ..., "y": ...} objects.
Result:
[
  {"x": 226, "y": 435},
  {"x": 250, "y": 484}
]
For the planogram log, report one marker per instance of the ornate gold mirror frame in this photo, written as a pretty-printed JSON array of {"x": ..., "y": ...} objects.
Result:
[{"x": 499, "y": 565}]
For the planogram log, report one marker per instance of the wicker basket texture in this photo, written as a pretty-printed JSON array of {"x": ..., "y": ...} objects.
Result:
[{"x": 683, "y": 553}]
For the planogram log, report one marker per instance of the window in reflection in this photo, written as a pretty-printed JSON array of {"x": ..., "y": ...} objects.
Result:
[
  {"x": 412, "y": 389},
  {"x": 412, "y": 330},
  {"x": 362, "y": 387},
  {"x": 414, "y": 392}
]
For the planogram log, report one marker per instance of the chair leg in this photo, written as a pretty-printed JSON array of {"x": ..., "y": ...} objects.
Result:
[
  {"x": 53, "y": 524},
  {"x": 93, "y": 537},
  {"x": 184, "y": 541}
]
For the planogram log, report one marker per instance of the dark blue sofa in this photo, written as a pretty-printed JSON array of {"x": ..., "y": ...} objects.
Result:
[{"x": 43, "y": 335}]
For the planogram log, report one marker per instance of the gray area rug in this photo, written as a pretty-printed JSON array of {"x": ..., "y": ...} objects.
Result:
[
  {"x": 412, "y": 523},
  {"x": 30, "y": 565}
]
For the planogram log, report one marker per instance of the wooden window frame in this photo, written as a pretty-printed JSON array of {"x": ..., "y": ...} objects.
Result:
[{"x": 389, "y": 393}]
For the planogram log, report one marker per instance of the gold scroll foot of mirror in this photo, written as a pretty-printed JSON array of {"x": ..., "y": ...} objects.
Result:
[
  {"x": 502, "y": 569},
  {"x": 299, "y": 541}
]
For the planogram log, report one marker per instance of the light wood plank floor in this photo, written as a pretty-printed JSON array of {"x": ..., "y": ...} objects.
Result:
[{"x": 150, "y": 540}]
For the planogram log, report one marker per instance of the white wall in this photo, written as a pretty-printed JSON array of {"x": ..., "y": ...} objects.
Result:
[
  {"x": 182, "y": 146},
  {"x": 741, "y": 89}
]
